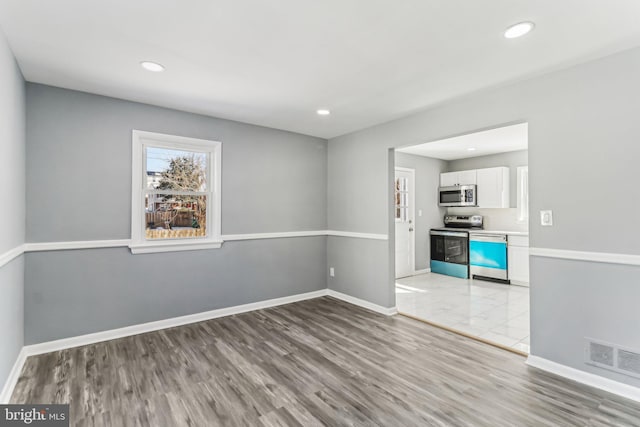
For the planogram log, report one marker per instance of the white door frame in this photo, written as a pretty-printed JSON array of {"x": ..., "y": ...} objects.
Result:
[{"x": 412, "y": 209}]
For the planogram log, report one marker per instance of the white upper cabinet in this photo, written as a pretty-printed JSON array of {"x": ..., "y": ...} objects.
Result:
[
  {"x": 467, "y": 177},
  {"x": 493, "y": 187},
  {"x": 449, "y": 179}
]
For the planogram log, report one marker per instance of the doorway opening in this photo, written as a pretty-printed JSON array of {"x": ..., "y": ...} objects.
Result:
[{"x": 461, "y": 234}]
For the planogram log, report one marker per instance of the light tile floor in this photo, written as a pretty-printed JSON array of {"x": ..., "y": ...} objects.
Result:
[{"x": 495, "y": 312}]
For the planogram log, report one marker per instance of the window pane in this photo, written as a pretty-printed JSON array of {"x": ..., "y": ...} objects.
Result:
[
  {"x": 176, "y": 170},
  {"x": 175, "y": 217},
  {"x": 403, "y": 184},
  {"x": 404, "y": 214},
  {"x": 404, "y": 199}
]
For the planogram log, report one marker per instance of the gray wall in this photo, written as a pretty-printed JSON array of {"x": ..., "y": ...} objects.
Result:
[
  {"x": 11, "y": 315},
  {"x": 511, "y": 160},
  {"x": 79, "y": 188},
  {"x": 578, "y": 118},
  {"x": 357, "y": 268},
  {"x": 79, "y": 168},
  {"x": 12, "y": 169},
  {"x": 604, "y": 307},
  {"x": 71, "y": 293},
  {"x": 427, "y": 181}
]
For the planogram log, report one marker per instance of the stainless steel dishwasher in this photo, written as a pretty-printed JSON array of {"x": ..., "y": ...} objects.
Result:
[{"x": 488, "y": 256}]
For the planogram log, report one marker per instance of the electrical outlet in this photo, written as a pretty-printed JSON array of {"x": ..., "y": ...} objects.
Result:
[
  {"x": 419, "y": 212},
  {"x": 546, "y": 218},
  {"x": 332, "y": 272}
]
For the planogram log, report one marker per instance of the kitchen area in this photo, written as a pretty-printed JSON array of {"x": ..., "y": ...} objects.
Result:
[{"x": 462, "y": 203}]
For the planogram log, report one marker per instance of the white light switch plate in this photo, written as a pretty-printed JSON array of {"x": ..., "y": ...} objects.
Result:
[{"x": 546, "y": 218}]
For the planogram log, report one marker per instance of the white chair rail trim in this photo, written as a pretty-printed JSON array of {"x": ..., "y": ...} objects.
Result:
[
  {"x": 602, "y": 257},
  {"x": 96, "y": 244},
  {"x": 11, "y": 254}
]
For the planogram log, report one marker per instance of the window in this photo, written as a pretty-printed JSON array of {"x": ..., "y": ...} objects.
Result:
[
  {"x": 402, "y": 199},
  {"x": 523, "y": 194},
  {"x": 175, "y": 193}
]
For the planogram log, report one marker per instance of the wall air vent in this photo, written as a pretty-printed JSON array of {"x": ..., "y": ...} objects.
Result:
[
  {"x": 601, "y": 354},
  {"x": 612, "y": 357},
  {"x": 629, "y": 361}
]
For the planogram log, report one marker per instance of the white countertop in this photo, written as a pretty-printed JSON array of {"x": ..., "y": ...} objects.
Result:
[
  {"x": 508, "y": 233},
  {"x": 484, "y": 231}
]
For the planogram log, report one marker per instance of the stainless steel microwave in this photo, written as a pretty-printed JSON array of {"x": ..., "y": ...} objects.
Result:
[{"x": 459, "y": 195}]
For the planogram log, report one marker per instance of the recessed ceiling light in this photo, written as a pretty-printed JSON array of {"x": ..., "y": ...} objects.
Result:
[
  {"x": 152, "y": 66},
  {"x": 471, "y": 149},
  {"x": 323, "y": 112},
  {"x": 518, "y": 30}
]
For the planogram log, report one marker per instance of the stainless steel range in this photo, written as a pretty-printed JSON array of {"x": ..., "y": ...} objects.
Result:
[
  {"x": 463, "y": 221},
  {"x": 450, "y": 245}
]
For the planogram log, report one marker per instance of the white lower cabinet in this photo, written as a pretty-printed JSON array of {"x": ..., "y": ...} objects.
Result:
[{"x": 518, "y": 259}]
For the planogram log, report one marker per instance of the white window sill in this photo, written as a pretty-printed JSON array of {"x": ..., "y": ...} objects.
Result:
[{"x": 174, "y": 246}]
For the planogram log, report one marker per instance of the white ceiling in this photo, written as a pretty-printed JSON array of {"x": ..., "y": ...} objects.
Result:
[
  {"x": 274, "y": 63},
  {"x": 484, "y": 143}
]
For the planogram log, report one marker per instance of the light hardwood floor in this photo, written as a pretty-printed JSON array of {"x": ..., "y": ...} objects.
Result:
[{"x": 317, "y": 362}]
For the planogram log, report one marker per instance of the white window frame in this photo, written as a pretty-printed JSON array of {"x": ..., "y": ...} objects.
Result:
[
  {"x": 409, "y": 195},
  {"x": 213, "y": 240},
  {"x": 522, "y": 192}
]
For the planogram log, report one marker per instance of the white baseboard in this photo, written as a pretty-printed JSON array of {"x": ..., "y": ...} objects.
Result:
[
  {"x": 586, "y": 378},
  {"x": 81, "y": 340},
  {"x": 423, "y": 271},
  {"x": 61, "y": 344},
  {"x": 387, "y": 311},
  {"x": 65, "y": 343},
  {"x": 12, "y": 380}
]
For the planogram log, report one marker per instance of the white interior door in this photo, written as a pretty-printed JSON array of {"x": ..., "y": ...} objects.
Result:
[{"x": 404, "y": 213}]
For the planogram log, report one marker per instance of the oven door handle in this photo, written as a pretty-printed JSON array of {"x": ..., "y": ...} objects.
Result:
[{"x": 449, "y": 233}]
